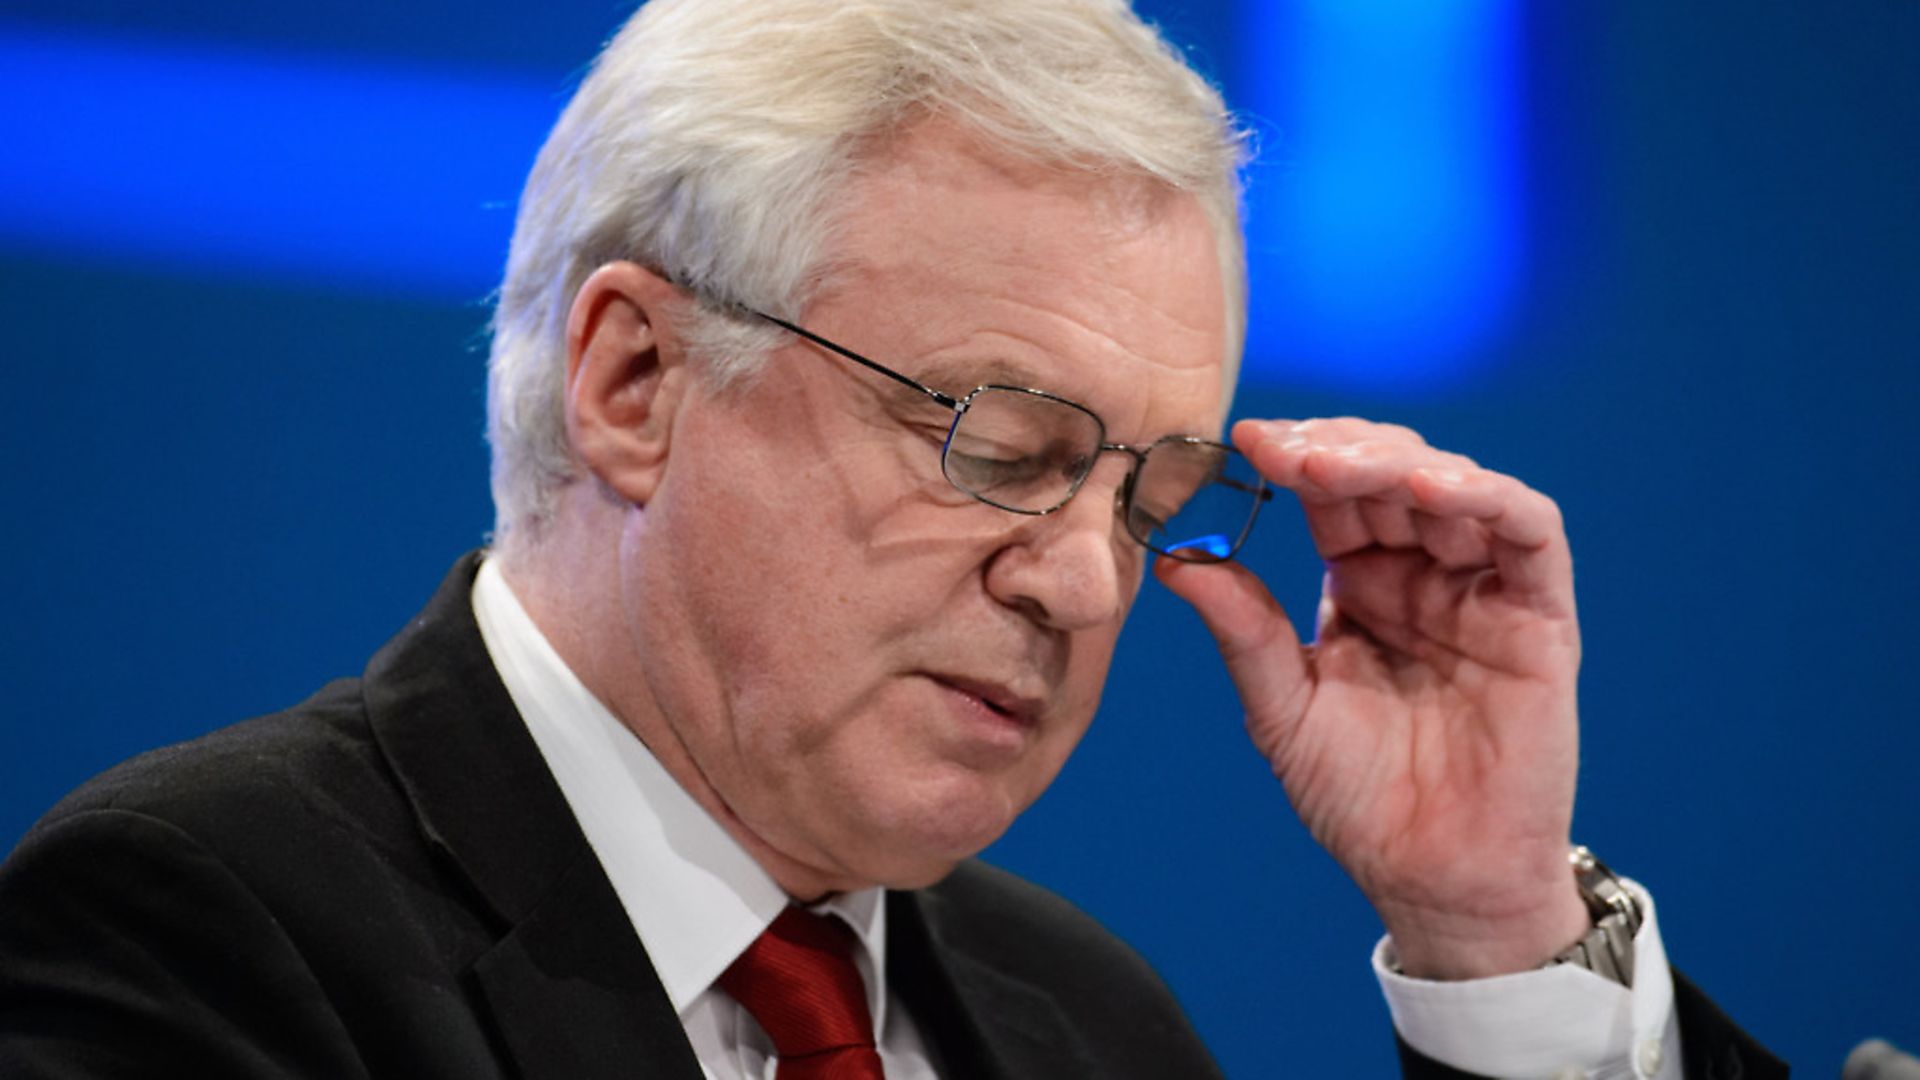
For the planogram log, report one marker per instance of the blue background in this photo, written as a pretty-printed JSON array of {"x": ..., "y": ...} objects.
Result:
[{"x": 1660, "y": 260}]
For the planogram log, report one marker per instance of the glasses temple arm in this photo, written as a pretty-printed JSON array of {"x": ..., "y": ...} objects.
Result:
[
  {"x": 841, "y": 350},
  {"x": 1261, "y": 491}
]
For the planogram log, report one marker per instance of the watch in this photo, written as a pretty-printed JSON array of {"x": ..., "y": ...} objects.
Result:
[{"x": 1606, "y": 949}]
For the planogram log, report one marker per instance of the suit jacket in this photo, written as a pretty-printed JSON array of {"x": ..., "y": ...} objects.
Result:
[{"x": 386, "y": 881}]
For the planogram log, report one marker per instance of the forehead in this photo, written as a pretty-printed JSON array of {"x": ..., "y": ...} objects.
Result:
[{"x": 961, "y": 268}]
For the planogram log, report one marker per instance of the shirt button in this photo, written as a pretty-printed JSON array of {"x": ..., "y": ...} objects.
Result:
[{"x": 1647, "y": 1059}]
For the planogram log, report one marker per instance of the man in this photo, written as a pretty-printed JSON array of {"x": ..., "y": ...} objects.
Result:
[{"x": 851, "y": 360}]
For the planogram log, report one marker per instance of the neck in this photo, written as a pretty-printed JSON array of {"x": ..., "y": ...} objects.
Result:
[{"x": 574, "y": 584}]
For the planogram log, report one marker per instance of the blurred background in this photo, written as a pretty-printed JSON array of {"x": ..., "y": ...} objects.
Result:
[{"x": 1660, "y": 260}]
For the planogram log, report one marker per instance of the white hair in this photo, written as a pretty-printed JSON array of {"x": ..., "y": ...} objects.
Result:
[{"x": 711, "y": 136}]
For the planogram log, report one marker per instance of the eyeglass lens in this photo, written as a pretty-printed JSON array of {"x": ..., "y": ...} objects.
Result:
[
  {"x": 1026, "y": 451},
  {"x": 1193, "y": 500}
]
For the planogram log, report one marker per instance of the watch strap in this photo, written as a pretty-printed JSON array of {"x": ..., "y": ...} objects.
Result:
[{"x": 1607, "y": 948}]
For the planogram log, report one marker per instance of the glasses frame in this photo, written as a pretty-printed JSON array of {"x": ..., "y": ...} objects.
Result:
[{"x": 959, "y": 405}]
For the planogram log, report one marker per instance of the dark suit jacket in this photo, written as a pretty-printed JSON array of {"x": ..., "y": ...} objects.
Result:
[{"x": 385, "y": 881}]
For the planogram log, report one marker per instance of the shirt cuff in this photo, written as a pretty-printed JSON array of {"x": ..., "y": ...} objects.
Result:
[{"x": 1561, "y": 1020}]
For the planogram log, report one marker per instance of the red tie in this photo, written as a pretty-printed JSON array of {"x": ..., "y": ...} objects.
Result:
[{"x": 799, "y": 982}]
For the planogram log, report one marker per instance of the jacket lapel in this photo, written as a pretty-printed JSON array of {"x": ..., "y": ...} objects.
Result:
[
  {"x": 978, "y": 1020},
  {"x": 573, "y": 1000},
  {"x": 570, "y": 986}
]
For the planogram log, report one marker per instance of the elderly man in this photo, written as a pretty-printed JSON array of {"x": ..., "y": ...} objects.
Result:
[{"x": 853, "y": 361}]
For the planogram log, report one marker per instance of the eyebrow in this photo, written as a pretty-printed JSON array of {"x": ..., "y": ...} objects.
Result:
[{"x": 961, "y": 377}]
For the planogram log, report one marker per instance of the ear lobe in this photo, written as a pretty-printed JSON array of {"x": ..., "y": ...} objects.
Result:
[{"x": 625, "y": 377}]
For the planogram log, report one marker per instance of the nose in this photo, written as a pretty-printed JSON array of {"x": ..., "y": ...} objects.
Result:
[{"x": 1072, "y": 569}]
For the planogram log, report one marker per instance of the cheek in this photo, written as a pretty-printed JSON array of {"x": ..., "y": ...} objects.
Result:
[{"x": 763, "y": 563}]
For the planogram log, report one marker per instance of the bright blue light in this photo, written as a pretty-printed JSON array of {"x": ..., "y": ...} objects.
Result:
[
  {"x": 1383, "y": 223},
  {"x": 342, "y": 171},
  {"x": 1213, "y": 544},
  {"x": 1384, "y": 213}
]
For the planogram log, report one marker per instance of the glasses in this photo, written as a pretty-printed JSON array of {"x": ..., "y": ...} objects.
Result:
[{"x": 1029, "y": 451}]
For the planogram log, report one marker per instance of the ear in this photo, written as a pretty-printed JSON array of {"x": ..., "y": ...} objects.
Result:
[{"x": 626, "y": 375}]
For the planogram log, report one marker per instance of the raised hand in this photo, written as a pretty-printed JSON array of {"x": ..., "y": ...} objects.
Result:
[{"x": 1428, "y": 737}]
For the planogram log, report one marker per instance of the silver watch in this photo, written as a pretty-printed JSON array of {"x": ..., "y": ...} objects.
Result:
[{"x": 1607, "y": 949}]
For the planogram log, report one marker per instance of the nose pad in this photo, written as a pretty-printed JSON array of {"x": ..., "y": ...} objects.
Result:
[{"x": 1123, "y": 494}]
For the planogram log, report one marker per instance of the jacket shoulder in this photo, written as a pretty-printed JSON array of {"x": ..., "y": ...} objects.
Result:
[
  {"x": 254, "y": 894},
  {"x": 309, "y": 765}
]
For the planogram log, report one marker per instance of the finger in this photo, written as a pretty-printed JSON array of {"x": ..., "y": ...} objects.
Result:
[
  {"x": 1391, "y": 523},
  {"x": 1338, "y": 429},
  {"x": 1365, "y": 495},
  {"x": 1455, "y": 543},
  {"x": 1323, "y": 462},
  {"x": 1446, "y": 491},
  {"x": 1369, "y": 468},
  {"x": 1469, "y": 517},
  {"x": 1524, "y": 530},
  {"x": 1256, "y": 639},
  {"x": 1427, "y": 481},
  {"x": 1533, "y": 553},
  {"x": 1250, "y": 435},
  {"x": 1386, "y": 605},
  {"x": 1345, "y": 526},
  {"x": 1279, "y": 448},
  {"x": 1328, "y": 462},
  {"x": 1378, "y": 594},
  {"x": 1337, "y": 528}
]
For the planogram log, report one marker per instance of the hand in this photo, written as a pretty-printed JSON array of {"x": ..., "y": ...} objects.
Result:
[{"x": 1428, "y": 737}]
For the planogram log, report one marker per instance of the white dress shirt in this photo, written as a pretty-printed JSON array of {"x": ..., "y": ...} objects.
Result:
[
  {"x": 695, "y": 897},
  {"x": 697, "y": 900}
]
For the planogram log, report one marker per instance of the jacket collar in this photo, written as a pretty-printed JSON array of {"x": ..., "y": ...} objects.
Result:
[{"x": 570, "y": 985}]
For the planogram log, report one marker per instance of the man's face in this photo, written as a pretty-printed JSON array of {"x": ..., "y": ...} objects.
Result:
[{"x": 869, "y": 674}]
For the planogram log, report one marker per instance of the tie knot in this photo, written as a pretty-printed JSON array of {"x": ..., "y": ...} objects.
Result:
[{"x": 799, "y": 981}]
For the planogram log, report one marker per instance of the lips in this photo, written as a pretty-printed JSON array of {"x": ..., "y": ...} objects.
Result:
[{"x": 998, "y": 698}]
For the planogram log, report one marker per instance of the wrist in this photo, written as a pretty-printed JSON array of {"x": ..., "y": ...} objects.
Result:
[
  {"x": 1449, "y": 946},
  {"x": 1446, "y": 950}
]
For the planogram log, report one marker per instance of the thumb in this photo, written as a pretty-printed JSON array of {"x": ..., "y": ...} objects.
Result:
[{"x": 1257, "y": 641}]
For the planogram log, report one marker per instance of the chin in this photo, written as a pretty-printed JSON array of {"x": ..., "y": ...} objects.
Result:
[{"x": 922, "y": 843}]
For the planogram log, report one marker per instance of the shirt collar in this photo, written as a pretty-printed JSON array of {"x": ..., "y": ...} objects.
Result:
[{"x": 693, "y": 894}]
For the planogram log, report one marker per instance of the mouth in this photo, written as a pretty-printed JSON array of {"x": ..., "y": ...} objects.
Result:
[{"x": 996, "y": 699}]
